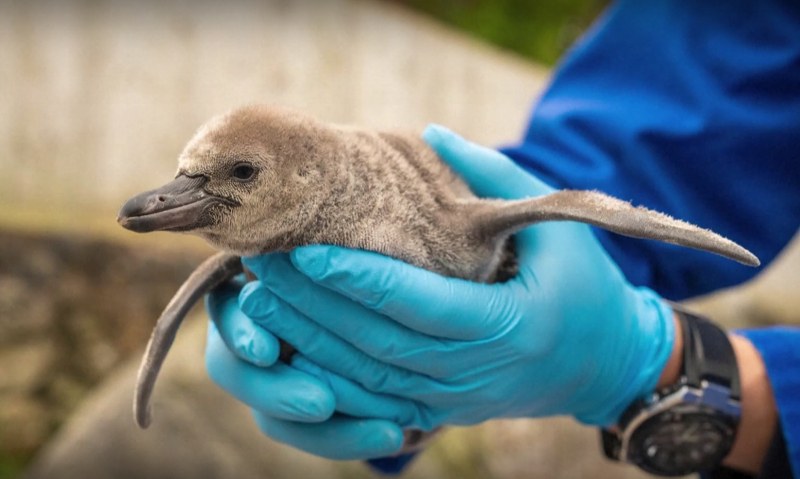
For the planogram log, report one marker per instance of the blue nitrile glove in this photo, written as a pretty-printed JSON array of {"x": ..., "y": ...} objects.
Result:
[
  {"x": 568, "y": 335},
  {"x": 290, "y": 405}
]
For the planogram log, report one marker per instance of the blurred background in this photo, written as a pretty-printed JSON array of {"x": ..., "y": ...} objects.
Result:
[{"x": 97, "y": 98}]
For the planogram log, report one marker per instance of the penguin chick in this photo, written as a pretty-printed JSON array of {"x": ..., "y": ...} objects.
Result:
[{"x": 263, "y": 179}]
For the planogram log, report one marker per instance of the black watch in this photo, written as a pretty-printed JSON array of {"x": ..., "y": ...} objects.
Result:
[{"x": 690, "y": 426}]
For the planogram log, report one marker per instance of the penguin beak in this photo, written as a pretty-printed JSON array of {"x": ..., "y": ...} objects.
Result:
[{"x": 180, "y": 205}]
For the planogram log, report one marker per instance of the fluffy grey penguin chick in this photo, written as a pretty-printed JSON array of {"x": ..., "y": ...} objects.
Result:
[{"x": 262, "y": 179}]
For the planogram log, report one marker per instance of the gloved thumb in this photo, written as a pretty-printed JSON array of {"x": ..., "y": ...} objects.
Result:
[{"x": 488, "y": 172}]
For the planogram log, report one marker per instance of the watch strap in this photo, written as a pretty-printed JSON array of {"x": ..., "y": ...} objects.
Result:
[{"x": 707, "y": 353}]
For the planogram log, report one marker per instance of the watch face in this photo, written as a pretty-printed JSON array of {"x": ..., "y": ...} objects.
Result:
[{"x": 682, "y": 442}]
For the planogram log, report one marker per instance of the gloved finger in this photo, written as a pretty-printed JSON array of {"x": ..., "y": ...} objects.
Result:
[
  {"x": 339, "y": 437},
  {"x": 324, "y": 347},
  {"x": 261, "y": 265},
  {"x": 240, "y": 334},
  {"x": 353, "y": 400},
  {"x": 418, "y": 299},
  {"x": 280, "y": 390},
  {"x": 373, "y": 333},
  {"x": 488, "y": 172}
]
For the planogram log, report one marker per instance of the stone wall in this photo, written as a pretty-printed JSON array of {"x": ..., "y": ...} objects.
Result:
[
  {"x": 99, "y": 97},
  {"x": 72, "y": 309}
]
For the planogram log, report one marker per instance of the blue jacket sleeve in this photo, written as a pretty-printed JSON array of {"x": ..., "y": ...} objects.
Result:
[{"x": 691, "y": 108}]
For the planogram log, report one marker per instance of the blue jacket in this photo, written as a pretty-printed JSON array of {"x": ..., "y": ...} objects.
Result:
[{"x": 691, "y": 108}]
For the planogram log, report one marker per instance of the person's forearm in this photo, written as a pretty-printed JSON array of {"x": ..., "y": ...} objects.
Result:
[{"x": 759, "y": 413}]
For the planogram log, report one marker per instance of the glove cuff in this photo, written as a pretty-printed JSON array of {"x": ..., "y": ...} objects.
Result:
[{"x": 646, "y": 349}]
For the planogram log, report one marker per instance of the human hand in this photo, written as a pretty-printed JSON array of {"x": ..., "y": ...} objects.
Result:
[
  {"x": 290, "y": 405},
  {"x": 568, "y": 335}
]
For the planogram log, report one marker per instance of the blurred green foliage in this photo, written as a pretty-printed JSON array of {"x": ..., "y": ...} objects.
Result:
[
  {"x": 537, "y": 29},
  {"x": 11, "y": 466}
]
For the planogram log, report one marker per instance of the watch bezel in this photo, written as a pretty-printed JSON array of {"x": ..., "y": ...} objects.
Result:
[{"x": 672, "y": 410}]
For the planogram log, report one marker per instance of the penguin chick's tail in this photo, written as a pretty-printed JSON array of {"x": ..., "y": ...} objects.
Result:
[
  {"x": 599, "y": 209},
  {"x": 211, "y": 273}
]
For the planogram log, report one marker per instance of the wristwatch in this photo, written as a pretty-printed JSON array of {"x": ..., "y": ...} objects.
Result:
[{"x": 690, "y": 426}]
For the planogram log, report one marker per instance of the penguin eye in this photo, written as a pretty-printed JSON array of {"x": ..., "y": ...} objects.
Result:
[{"x": 243, "y": 172}]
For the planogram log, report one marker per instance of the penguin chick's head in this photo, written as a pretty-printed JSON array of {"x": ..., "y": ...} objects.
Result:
[{"x": 247, "y": 181}]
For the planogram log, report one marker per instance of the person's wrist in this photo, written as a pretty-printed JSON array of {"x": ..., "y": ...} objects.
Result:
[
  {"x": 759, "y": 413},
  {"x": 759, "y": 417},
  {"x": 758, "y": 420}
]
